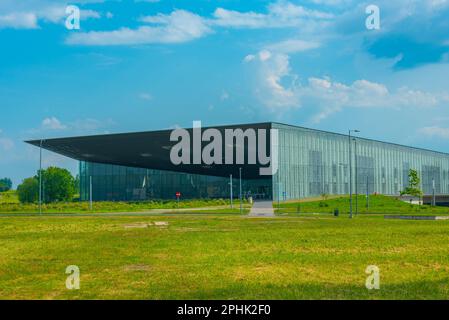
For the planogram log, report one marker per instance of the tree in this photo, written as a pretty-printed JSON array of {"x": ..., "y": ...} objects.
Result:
[
  {"x": 413, "y": 184},
  {"x": 28, "y": 190},
  {"x": 5, "y": 184},
  {"x": 57, "y": 185}
]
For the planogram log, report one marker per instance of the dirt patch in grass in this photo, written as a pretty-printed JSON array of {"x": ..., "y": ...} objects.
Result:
[
  {"x": 137, "y": 267},
  {"x": 136, "y": 225},
  {"x": 142, "y": 225}
]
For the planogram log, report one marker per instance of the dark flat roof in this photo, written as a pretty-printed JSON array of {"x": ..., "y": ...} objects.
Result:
[{"x": 150, "y": 150}]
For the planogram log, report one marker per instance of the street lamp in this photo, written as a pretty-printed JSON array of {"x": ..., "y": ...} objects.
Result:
[
  {"x": 356, "y": 178},
  {"x": 433, "y": 192},
  {"x": 350, "y": 171},
  {"x": 40, "y": 177},
  {"x": 230, "y": 187},
  {"x": 240, "y": 182}
]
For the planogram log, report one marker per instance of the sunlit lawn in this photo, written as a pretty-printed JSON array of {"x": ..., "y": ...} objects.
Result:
[
  {"x": 10, "y": 204},
  {"x": 376, "y": 204},
  {"x": 223, "y": 257}
]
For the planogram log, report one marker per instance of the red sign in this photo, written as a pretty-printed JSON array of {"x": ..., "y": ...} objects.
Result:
[{"x": 178, "y": 194}]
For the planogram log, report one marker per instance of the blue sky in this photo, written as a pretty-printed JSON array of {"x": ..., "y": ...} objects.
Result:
[{"x": 145, "y": 65}]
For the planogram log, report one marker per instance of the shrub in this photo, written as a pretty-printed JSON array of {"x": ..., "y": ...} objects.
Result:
[
  {"x": 28, "y": 190},
  {"x": 5, "y": 184},
  {"x": 323, "y": 204}
]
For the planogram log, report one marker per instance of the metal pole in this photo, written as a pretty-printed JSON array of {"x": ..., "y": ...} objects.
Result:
[
  {"x": 356, "y": 179},
  {"x": 299, "y": 195},
  {"x": 279, "y": 192},
  {"x": 350, "y": 177},
  {"x": 279, "y": 195},
  {"x": 433, "y": 192},
  {"x": 240, "y": 181},
  {"x": 230, "y": 183},
  {"x": 40, "y": 177},
  {"x": 90, "y": 193},
  {"x": 367, "y": 193}
]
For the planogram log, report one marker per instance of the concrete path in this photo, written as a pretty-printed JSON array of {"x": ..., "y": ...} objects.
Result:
[{"x": 262, "y": 209}]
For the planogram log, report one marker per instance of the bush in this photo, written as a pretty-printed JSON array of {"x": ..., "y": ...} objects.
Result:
[
  {"x": 58, "y": 185},
  {"x": 28, "y": 190},
  {"x": 5, "y": 184},
  {"x": 323, "y": 204}
]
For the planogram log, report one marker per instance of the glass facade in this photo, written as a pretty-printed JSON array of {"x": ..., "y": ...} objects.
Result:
[
  {"x": 120, "y": 183},
  {"x": 311, "y": 163},
  {"x": 314, "y": 162}
]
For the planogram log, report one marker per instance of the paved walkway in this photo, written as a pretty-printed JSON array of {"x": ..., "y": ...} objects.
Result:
[{"x": 262, "y": 209}]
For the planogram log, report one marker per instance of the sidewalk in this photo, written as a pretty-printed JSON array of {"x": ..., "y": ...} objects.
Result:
[{"x": 262, "y": 209}]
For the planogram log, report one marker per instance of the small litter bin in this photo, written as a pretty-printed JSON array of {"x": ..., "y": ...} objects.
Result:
[{"x": 336, "y": 213}]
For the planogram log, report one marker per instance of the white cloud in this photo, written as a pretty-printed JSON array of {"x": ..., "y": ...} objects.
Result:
[
  {"x": 249, "y": 58},
  {"x": 334, "y": 97},
  {"x": 264, "y": 55},
  {"x": 179, "y": 26},
  {"x": 18, "y": 20},
  {"x": 182, "y": 26},
  {"x": 53, "y": 123},
  {"x": 331, "y": 2},
  {"x": 6, "y": 144},
  {"x": 272, "y": 70},
  {"x": 278, "y": 89},
  {"x": 229, "y": 18},
  {"x": 57, "y": 14},
  {"x": 52, "y": 126},
  {"x": 280, "y": 14},
  {"x": 435, "y": 131},
  {"x": 145, "y": 96},
  {"x": 441, "y": 119},
  {"x": 90, "y": 125},
  {"x": 224, "y": 96},
  {"x": 437, "y": 4},
  {"x": 286, "y": 10},
  {"x": 293, "y": 46},
  {"x": 28, "y": 14}
]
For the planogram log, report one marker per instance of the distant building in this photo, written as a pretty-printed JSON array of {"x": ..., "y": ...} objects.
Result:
[{"x": 137, "y": 166}]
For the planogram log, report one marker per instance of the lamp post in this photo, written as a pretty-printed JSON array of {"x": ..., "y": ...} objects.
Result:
[
  {"x": 90, "y": 193},
  {"x": 230, "y": 187},
  {"x": 367, "y": 193},
  {"x": 40, "y": 177},
  {"x": 350, "y": 172},
  {"x": 279, "y": 191},
  {"x": 433, "y": 192},
  {"x": 299, "y": 196},
  {"x": 356, "y": 179},
  {"x": 240, "y": 181}
]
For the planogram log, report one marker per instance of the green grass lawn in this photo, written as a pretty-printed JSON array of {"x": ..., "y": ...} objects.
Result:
[
  {"x": 377, "y": 204},
  {"x": 105, "y": 206},
  {"x": 223, "y": 257}
]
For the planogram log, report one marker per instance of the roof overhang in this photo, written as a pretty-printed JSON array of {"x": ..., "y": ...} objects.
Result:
[{"x": 151, "y": 150}]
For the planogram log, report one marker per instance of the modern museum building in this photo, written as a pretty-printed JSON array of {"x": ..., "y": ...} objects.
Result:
[{"x": 141, "y": 166}]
